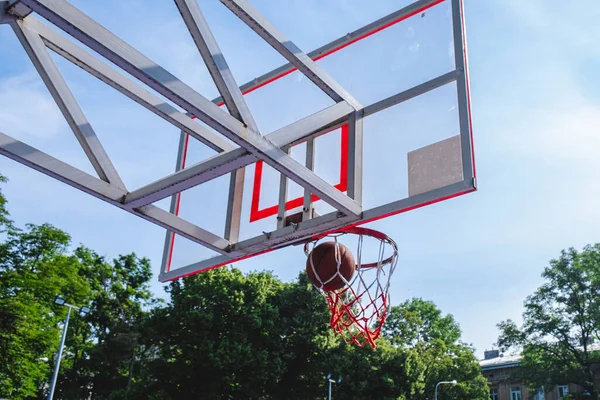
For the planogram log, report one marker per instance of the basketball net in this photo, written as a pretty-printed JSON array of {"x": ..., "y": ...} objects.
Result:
[{"x": 359, "y": 309}]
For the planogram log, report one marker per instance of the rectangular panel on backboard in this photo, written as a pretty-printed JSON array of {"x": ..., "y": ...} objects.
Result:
[{"x": 434, "y": 166}]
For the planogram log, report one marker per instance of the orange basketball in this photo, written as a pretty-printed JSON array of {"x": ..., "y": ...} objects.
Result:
[{"x": 323, "y": 257}]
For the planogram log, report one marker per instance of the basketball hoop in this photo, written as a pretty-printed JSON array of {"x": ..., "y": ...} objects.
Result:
[{"x": 359, "y": 308}]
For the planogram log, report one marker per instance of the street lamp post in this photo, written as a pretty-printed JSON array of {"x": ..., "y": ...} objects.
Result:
[
  {"x": 83, "y": 310},
  {"x": 453, "y": 382},
  {"x": 330, "y": 382}
]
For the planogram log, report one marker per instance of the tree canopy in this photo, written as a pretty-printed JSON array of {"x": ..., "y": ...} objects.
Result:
[
  {"x": 221, "y": 334},
  {"x": 561, "y": 324}
]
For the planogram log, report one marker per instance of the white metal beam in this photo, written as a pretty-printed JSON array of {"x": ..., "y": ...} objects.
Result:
[
  {"x": 283, "y": 192},
  {"x": 286, "y": 236},
  {"x": 174, "y": 206},
  {"x": 184, "y": 228},
  {"x": 66, "y": 102},
  {"x": 355, "y": 156},
  {"x": 411, "y": 93},
  {"x": 307, "y": 207},
  {"x": 5, "y": 18},
  {"x": 191, "y": 176},
  {"x": 215, "y": 61},
  {"x": 35, "y": 159}
]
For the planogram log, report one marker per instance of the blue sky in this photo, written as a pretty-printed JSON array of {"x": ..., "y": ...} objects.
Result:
[{"x": 536, "y": 116}]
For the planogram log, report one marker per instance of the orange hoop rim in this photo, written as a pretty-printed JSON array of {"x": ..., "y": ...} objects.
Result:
[{"x": 356, "y": 230}]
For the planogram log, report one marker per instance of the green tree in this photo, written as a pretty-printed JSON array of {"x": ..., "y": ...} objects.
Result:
[
  {"x": 308, "y": 349},
  {"x": 5, "y": 221},
  {"x": 560, "y": 323},
  {"x": 369, "y": 373},
  {"x": 222, "y": 334},
  {"x": 34, "y": 267},
  {"x": 104, "y": 345},
  {"x": 216, "y": 339},
  {"x": 418, "y": 321},
  {"x": 432, "y": 352},
  {"x": 36, "y": 264},
  {"x": 229, "y": 335}
]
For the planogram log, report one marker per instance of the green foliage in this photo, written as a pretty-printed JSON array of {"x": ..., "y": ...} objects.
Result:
[
  {"x": 433, "y": 352},
  {"x": 417, "y": 321},
  {"x": 33, "y": 269},
  {"x": 104, "y": 344},
  {"x": 5, "y": 221},
  {"x": 221, "y": 335},
  {"x": 242, "y": 336},
  {"x": 560, "y": 321},
  {"x": 35, "y": 266},
  {"x": 228, "y": 335}
]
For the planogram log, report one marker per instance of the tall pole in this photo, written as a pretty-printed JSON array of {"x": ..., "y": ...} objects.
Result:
[
  {"x": 330, "y": 382},
  {"x": 59, "y": 356}
]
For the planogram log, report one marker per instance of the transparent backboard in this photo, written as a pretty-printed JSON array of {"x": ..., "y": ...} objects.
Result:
[{"x": 413, "y": 150}]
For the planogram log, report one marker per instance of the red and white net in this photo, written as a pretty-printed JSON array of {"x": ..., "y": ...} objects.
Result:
[{"x": 359, "y": 309}]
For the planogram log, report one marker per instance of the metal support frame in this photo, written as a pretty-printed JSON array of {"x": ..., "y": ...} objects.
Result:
[
  {"x": 79, "y": 25},
  {"x": 175, "y": 202},
  {"x": 48, "y": 165},
  {"x": 355, "y": 153},
  {"x": 235, "y": 123}
]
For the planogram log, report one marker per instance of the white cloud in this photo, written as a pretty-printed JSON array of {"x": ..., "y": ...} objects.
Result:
[
  {"x": 566, "y": 22},
  {"x": 567, "y": 134},
  {"x": 27, "y": 109},
  {"x": 540, "y": 100}
]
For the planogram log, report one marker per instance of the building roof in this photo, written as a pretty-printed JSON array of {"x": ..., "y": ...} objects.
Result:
[
  {"x": 500, "y": 362},
  {"x": 510, "y": 361}
]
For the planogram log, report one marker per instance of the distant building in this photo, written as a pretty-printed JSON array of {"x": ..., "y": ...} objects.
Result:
[{"x": 496, "y": 368}]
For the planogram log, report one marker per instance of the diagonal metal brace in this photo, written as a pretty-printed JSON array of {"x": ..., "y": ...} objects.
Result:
[{"x": 251, "y": 17}]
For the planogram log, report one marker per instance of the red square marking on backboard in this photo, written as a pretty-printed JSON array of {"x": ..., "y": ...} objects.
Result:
[{"x": 256, "y": 213}]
